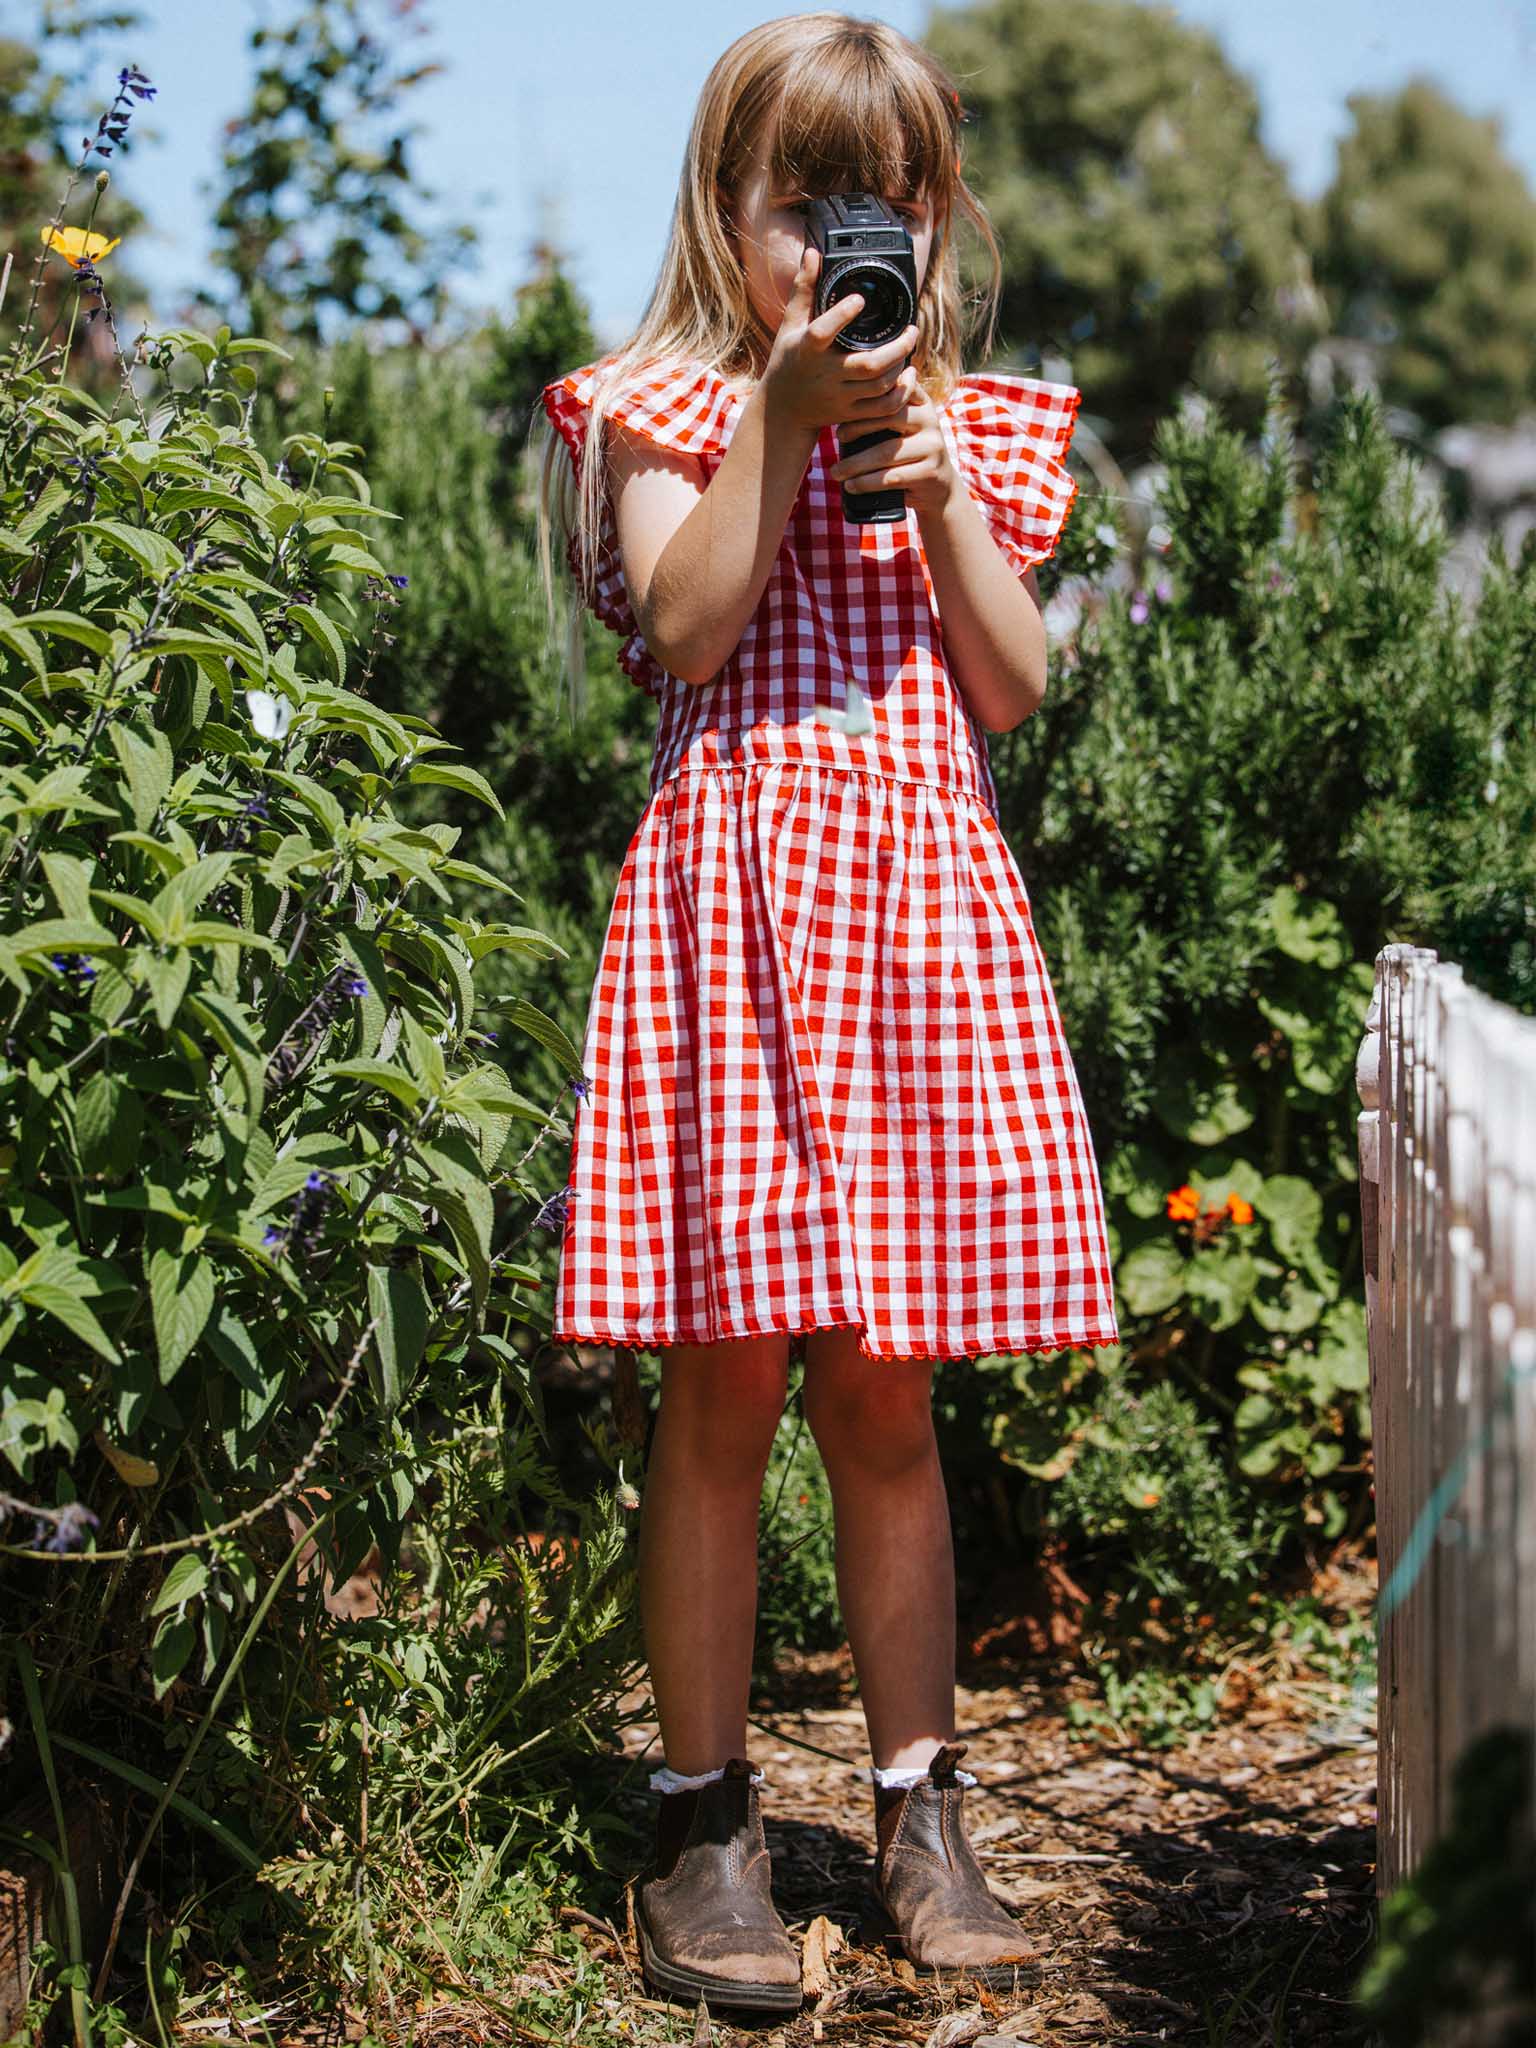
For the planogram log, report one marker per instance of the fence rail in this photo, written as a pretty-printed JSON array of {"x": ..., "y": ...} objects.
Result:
[{"x": 1447, "y": 1138}]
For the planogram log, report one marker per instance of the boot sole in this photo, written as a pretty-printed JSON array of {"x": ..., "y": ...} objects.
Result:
[
  {"x": 877, "y": 1925},
  {"x": 678, "y": 1981}
]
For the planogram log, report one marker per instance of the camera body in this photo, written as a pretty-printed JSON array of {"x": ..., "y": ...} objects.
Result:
[{"x": 865, "y": 248}]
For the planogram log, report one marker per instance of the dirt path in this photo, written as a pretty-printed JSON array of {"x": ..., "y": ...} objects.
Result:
[{"x": 1222, "y": 1892}]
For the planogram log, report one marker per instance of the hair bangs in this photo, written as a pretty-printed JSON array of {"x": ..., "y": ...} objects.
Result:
[{"x": 856, "y": 127}]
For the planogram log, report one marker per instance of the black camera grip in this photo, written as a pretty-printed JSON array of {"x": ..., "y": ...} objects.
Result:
[{"x": 870, "y": 508}]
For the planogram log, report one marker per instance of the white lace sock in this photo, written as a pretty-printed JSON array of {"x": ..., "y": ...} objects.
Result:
[
  {"x": 668, "y": 1780},
  {"x": 910, "y": 1774}
]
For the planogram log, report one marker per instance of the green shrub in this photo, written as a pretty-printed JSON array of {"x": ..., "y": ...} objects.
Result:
[
  {"x": 265, "y": 1204},
  {"x": 797, "y": 1597},
  {"x": 1289, "y": 749}
]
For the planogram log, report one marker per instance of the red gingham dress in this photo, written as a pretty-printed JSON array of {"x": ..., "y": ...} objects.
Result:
[{"x": 827, "y": 1081}]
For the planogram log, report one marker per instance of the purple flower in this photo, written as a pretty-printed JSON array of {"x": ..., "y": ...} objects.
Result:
[
  {"x": 400, "y": 582},
  {"x": 581, "y": 1088},
  {"x": 354, "y": 986},
  {"x": 1139, "y": 608},
  {"x": 1164, "y": 590},
  {"x": 71, "y": 1526},
  {"x": 553, "y": 1214},
  {"x": 302, "y": 1230}
]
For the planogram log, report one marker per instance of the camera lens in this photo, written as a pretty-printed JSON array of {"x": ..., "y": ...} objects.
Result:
[{"x": 887, "y": 306}]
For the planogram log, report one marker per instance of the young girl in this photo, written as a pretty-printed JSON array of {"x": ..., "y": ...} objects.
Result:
[{"x": 829, "y": 1103}]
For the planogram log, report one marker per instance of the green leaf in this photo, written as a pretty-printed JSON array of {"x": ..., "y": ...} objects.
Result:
[
  {"x": 250, "y": 345},
  {"x": 397, "y": 1297},
  {"x": 21, "y": 642},
  {"x": 155, "y": 555},
  {"x": 199, "y": 497},
  {"x": 1307, "y": 928},
  {"x": 1221, "y": 1284},
  {"x": 1198, "y": 1103},
  {"x": 1290, "y": 1308},
  {"x": 341, "y": 550},
  {"x": 149, "y": 766},
  {"x": 317, "y": 799},
  {"x": 65, "y": 1305},
  {"x": 549, "y": 1034},
  {"x": 109, "y": 1121},
  {"x": 206, "y": 646},
  {"x": 321, "y": 630},
  {"x": 180, "y": 896},
  {"x": 424, "y": 1054},
  {"x": 230, "y": 1024},
  {"x": 1152, "y": 1277},
  {"x": 393, "y": 1080},
  {"x": 468, "y": 871},
  {"x": 70, "y": 881},
  {"x": 186, "y": 1580},
  {"x": 61, "y": 789},
  {"x": 167, "y": 976},
  {"x": 181, "y": 1295},
  {"x": 235, "y": 1846},
  {"x": 35, "y": 942},
  {"x": 465, "y": 779},
  {"x": 469, "y": 1216},
  {"x": 69, "y": 626},
  {"x": 1294, "y": 1211},
  {"x": 175, "y": 1640}
]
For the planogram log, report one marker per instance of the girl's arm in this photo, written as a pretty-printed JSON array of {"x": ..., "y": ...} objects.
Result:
[
  {"x": 697, "y": 557},
  {"x": 994, "y": 630},
  {"x": 990, "y": 616}
]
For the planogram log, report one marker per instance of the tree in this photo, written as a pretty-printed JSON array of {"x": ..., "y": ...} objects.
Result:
[
  {"x": 1149, "y": 238},
  {"x": 1426, "y": 250},
  {"x": 319, "y": 209},
  {"x": 549, "y": 334}
]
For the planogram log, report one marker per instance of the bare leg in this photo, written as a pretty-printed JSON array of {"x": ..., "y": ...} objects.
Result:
[
  {"x": 720, "y": 1406},
  {"x": 873, "y": 1423}
]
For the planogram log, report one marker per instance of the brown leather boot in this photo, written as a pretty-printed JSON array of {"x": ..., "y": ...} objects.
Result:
[
  {"x": 704, "y": 1913},
  {"x": 929, "y": 1891}
]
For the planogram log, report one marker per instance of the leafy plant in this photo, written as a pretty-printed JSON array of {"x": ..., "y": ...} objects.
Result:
[{"x": 266, "y": 1192}]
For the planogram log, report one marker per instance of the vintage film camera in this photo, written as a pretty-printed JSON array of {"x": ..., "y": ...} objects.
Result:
[{"x": 865, "y": 248}]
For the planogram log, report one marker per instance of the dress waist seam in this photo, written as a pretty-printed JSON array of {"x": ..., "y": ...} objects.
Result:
[{"x": 689, "y": 769}]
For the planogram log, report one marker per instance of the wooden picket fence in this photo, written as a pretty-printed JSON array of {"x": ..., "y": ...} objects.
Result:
[{"x": 1447, "y": 1077}]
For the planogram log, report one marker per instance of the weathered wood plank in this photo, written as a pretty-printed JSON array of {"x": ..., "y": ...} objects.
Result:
[{"x": 1447, "y": 1139}]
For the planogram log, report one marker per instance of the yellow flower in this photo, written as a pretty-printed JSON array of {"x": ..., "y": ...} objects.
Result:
[{"x": 78, "y": 245}]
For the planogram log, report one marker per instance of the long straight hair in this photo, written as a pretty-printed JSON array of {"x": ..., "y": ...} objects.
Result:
[{"x": 823, "y": 103}]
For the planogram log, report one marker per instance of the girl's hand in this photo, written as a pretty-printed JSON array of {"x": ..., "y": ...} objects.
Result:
[
  {"x": 919, "y": 465},
  {"x": 810, "y": 382}
]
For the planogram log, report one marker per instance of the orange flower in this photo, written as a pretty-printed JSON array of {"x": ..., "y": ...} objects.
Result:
[
  {"x": 1242, "y": 1212},
  {"x": 1184, "y": 1203},
  {"x": 1150, "y": 1500},
  {"x": 78, "y": 245}
]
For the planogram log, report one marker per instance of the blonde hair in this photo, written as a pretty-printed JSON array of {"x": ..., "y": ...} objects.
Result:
[{"x": 823, "y": 103}]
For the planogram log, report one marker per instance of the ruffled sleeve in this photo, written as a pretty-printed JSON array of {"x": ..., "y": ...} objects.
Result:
[
  {"x": 1010, "y": 435},
  {"x": 681, "y": 406}
]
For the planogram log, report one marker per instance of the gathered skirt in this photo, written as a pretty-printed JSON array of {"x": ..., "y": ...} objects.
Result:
[{"x": 827, "y": 1085}]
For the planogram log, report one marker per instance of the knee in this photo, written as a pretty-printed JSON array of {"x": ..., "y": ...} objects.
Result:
[
  {"x": 720, "y": 1409},
  {"x": 875, "y": 1417}
]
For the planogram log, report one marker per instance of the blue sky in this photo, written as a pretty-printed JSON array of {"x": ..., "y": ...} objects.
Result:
[{"x": 574, "y": 118}]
